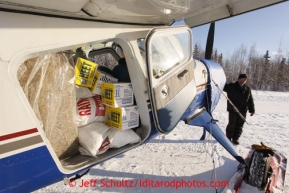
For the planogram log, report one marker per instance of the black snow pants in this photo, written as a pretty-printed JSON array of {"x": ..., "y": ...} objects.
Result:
[{"x": 235, "y": 126}]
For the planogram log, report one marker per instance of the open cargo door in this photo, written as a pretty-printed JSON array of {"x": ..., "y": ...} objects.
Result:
[{"x": 171, "y": 74}]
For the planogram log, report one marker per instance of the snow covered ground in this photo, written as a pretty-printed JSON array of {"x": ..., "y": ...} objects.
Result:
[{"x": 181, "y": 159}]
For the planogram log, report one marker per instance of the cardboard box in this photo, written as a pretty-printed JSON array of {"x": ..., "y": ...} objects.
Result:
[
  {"x": 117, "y": 94},
  {"x": 101, "y": 77},
  {"x": 122, "y": 118},
  {"x": 85, "y": 72}
]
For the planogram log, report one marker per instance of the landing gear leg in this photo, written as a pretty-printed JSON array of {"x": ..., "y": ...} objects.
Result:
[{"x": 204, "y": 134}]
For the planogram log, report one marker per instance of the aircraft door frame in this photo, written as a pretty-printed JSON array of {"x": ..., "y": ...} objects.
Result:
[{"x": 171, "y": 78}]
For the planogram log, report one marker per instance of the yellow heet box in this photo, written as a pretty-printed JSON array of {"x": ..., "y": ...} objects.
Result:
[
  {"x": 122, "y": 118},
  {"x": 85, "y": 72},
  {"x": 101, "y": 77},
  {"x": 117, "y": 94}
]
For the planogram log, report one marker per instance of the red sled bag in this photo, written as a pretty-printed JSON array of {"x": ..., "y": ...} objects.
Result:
[
  {"x": 90, "y": 110},
  {"x": 265, "y": 169}
]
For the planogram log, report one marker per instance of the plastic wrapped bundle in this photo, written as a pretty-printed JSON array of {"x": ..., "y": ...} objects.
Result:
[
  {"x": 106, "y": 60},
  {"x": 48, "y": 82}
]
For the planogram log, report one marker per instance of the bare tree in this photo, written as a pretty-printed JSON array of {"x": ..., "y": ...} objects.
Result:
[
  {"x": 237, "y": 62},
  {"x": 263, "y": 72},
  {"x": 286, "y": 76},
  {"x": 215, "y": 55},
  {"x": 228, "y": 69},
  {"x": 220, "y": 59},
  {"x": 280, "y": 79},
  {"x": 252, "y": 67}
]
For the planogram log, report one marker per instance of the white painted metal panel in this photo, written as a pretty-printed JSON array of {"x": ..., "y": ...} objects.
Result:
[
  {"x": 195, "y": 12},
  {"x": 61, "y": 5}
]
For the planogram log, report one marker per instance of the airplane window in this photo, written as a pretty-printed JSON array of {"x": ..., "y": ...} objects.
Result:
[
  {"x": 118, "y": 50},
  {"x": 105, "y": 59},
  {"x": 167, "y": 51},
  {"x": 106, "y": 55}
]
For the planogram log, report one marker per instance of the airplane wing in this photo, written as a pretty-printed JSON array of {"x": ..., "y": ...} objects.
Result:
[{"x": 145, "y": 12}]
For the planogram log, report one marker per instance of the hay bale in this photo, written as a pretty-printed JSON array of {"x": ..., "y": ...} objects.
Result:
[{"x": 48, "y": 82}]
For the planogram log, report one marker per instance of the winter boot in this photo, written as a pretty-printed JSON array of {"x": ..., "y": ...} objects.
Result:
[{"x": 236, "y": 141}]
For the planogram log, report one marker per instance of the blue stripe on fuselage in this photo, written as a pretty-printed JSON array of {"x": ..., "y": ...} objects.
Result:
[{"x": 28, "y": 171}]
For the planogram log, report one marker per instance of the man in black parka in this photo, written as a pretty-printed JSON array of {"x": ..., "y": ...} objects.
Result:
[{"x": 240, "y": 95}]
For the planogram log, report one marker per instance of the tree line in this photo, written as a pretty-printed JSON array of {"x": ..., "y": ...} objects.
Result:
[{"x": 264, "y": 72}]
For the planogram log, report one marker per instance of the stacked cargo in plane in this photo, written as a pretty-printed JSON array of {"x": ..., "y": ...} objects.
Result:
[
  {"x": 67, "y": 100},
  {"x": 105, "y": 112},
  {"x": 119, "y": 98}
]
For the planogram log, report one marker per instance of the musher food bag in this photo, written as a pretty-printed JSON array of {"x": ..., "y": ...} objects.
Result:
[
  {"x": 82, "y": 92},
  {"x": 90, "y": 110},
  {"x": 122, "y": 138},
  {"x": 94, "y": 139}
]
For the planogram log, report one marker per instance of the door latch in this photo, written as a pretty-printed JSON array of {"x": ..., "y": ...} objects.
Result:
[{"x": 165, "y": 91}]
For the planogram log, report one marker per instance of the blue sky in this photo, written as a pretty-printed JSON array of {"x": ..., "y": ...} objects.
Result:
[{"x": 265, "y": 28}]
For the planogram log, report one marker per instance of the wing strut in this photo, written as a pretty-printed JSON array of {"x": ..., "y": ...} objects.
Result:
[{"x": 204, "y": 119}]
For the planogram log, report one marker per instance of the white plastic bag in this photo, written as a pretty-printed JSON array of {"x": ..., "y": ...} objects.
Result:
[
  {"x": 93, "y": 139},
  {"x": 122, "y": 138},
  {"x": 90, "y": 110},
  {"x": 82, "y": 92}
]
